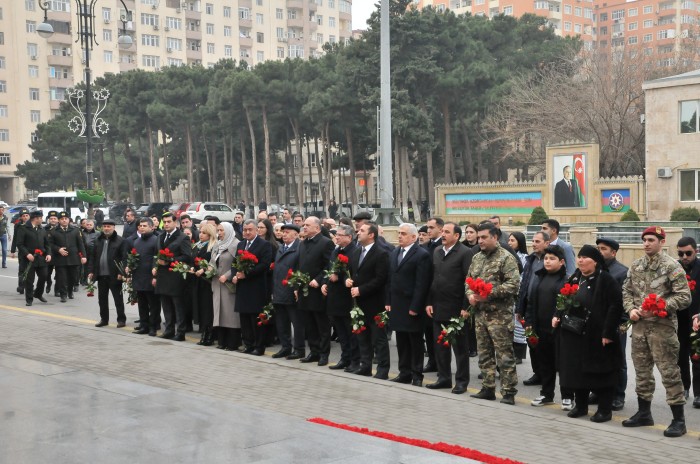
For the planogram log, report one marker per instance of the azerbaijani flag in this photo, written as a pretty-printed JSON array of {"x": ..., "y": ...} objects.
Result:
[
  {"x": 580, "y": 176},
  {"x": 615, "y": 200}
]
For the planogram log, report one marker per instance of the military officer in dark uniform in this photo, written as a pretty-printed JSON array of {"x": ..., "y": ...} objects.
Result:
[
  {"x": 69, "y": 253},
  {"x": 51, "y": 225},
  {"x": 33, "y": 245},
  {"x": 18, "y": 232}
]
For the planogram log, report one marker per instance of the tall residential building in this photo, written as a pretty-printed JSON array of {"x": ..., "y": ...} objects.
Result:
[{"x": 35, "y": 72}]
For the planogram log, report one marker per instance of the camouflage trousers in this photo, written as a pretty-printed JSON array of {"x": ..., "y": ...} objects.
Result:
[
  {"x": 494, "y": 342},
  {"x": 656, "y": 344}
]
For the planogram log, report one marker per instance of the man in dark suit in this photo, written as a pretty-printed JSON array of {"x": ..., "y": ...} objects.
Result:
[
  {"x": 314, "y": 254},
  {"x": 33, "y": 246},
  {"x": 146, "y": 245},
  {"x": 434, "y": 226},
  {"x": 369, "y": 270},
  {"x": 108, "y": 251},
  {"x": 68, "y": 250},
  {"x": 16, "y": 237},
  {"x": 170, "y": 285},
  {"x": 251, "y": 288},
  {"x": 446, "y": 300},
  {"x": 51, "y": 225},
  {"x": 339, "y": 302},
  {"x": 566, "y": 192},
  {"x": 129, "y": 224},
  {"x": 409, "y": 279},
  {"x": 287, "y": 315}
]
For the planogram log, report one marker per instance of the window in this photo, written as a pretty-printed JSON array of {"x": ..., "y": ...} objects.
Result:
[
  {"x": 30, "y": 5},
  {"x": 345, "y": 6},
  {"x": 689, "y": 185},
  {"x": 175, "y": 62},
  {"x": 331, "y": 3},
  {"x": 279, "y": 32},
  {"x": 106, "y": 14},
  {"x": 567, "y": 26},
  {"x": 228, "y": 50},
  {"x": 632, "y": 26},
  {"x": 244, "y": 53},
  {"x": 578, "y": 11},
  {"x": 604, "y": 30},
  {"x": 689, "y": 116},
  {"x": 4, "y": 135},
  {"x": 260, "y": 56},
  {"x": 210, "y": 29},
  {"x": 33, "y": 71},
  {"x": 244, "y": 13},
  {"x": 148, "y": 19},
  {"x": 3, "y": 111},
  {"x": 150, "y": 40},
  {"x": 210, "y": 48},
  {"x": 259, "y": 18},
  {"x": 259, "y": 2},
  {"x": 227, "y": 12},
  {"x": 632, "y": 40},
  {"x": 319, "y": 20},
  {"x": 331, "y": 19},
  {"x": 567, "y": 9},
  {"x": 296, "y": 51},
  {"x": 280, "y": 52},
  {"x": 588, "y": 13},
  {"x": 577, "y": 28},
  {"x": 618, "y": 14},
  {"x": 31, "y": 26},
  {"x": 108, "y": 56},
  {"x": 603, "y": 17},
  {"x": 57, "y": 93},
  {"x": 151, "y": 61},
  {"x": 228, "y": 31},
  {"x": 35, "y": 116},
  {"x": 59, "y": 5},
  {"x": 647, "y": 38},
  {"x": 209, "y": 9},
  {"x": 260, "y": 37},
  {"x": 5, "y": 158},
  {"x": 173, "y": 23},
  {"x": 648, "y": 9},
  {"x": 291, "y": 14},
  {"x": 175, "y": 44},
  {"x": 3, "y": 86},
  {"x": 279, "y": 13},
  {"x": 319, "y": 38},
  {"x": 58, "y": 72},
  {"x": 107, "y": 35},
  {"x": 331, "y": 39},
  {"x": 648, "y": 23},
  {"x": 663, "y": 34},
  {"x": 2, "y": 38},
  {"x": 632, "y": 12},
  {"x": 32, "y": 49}
]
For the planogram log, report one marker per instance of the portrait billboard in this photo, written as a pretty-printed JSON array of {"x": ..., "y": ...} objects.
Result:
[{"x": 570, "y": 175}]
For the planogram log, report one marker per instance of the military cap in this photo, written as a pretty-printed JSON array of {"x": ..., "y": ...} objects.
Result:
[
  {"x": 609, "y": 242},
  {"x": 655, "y": 230},
  {"x": 52, "y": 213},
  {"x": 291, "y": 227},
  {"x": 362, "y": 216},
  {"x": 63, "y": 214},
  {"x": 23, "y": 211},
  {"x": 34, "y": 214}
]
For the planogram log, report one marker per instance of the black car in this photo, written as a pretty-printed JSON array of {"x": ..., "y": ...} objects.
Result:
[
  {"x": 116, "y": 212},
  {"x": 157, "y": 209}
]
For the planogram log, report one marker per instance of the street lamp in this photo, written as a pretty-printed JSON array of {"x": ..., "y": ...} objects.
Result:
[{"x": 87, "y": 124}]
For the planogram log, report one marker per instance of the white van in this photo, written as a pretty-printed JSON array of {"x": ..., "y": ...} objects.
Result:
[{"x": 66, "y": 201}]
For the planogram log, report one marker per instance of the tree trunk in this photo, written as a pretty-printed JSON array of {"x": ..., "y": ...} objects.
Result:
[
  {"x": 190, "y": 168},
  {"x": 431, "y": 181},
  {"x": 268, "y": 176},
  {"x": 467, "y": 159},
  {"x": 327, "y": 167},
  {"x": 196, "y": 175},
  {"x": 449, "y": 160},
  {"x": 254, "y": 155},
  {"x": 115, "y": 172},
  {"x": 213, "y": 188},
  {"x": 153, "y": 157},
  {"x": 244, "y": 169},
  {"x": 103, "y": 168},
  {"x": 287, "y": 165},
  {"x": 129, "y": 173},
  {"x": 319, "y": 169},
  {"x": 166, "y": 171},
  {"x": 227, "y": 179},
  {"x": 410, "y": 194},
  {"x": 143, "y": 173},
  {"x": 351, "y": 162},
  {"x": 397, "y": 182},
  {"x": 297, "y": 143}
]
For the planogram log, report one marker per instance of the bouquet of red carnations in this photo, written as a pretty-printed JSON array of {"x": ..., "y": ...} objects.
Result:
[
  {"x": 381, "y": 319},
  {"x": 566, "y": 298},
  {"x": 245, "y": 261},
  {"x": 655, "y": 305},
  {"x": 265, "y": 316},
  {"x": 339, "y": 266},
  {"x": 298, "y": 281}
]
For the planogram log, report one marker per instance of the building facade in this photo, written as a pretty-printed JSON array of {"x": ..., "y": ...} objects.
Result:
[
  {"x": 35, "y": 73},
  {"x": 672, "y": 144}
]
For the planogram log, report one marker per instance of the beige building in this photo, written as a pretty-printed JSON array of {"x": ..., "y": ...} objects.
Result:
[
  {"x": 35, "y": 72},
  {"x": 672, "y": 144}
]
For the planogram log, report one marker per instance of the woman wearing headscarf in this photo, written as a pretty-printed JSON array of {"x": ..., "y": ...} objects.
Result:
[
  {"x": 589, "y": 349},
  {"x": 203, "y": 298},
  {"x": 226, "y": 320}
]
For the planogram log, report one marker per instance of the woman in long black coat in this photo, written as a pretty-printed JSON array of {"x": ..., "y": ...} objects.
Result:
[
  {"x": 203, "y": 298},
  {"x": 591, "y": 361}
]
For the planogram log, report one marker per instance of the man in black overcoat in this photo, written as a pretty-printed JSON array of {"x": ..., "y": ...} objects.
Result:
[
  {"x": 287, "y": 315},
  {"x": 314, "y": 255},
  {"x": 409, "y": 280},
  {"x": 34, "y": 248},
  {"x": 108, "y": 251},
  {"x": 434, "y": 226},
  {"x": 16, "y": 238},
  {"x": 251, "y": 288},
  {"x": 146, "y": 245},
  {"x": 68, "y": 250},
  {"x": 446, "y": 299},
  {"x": 369, "y": 269},
  {"x": 170, "y": 285}
]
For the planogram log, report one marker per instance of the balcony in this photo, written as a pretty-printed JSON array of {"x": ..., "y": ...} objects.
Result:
[
  {"x": 343, "y": 16},
  {"x": 313, "y": 6},
  {"x": 191, "y": 14},
  {"x": 55, "y": 105},
  {"x": 245, "y": 4},
  {"x": 127, "y": 66},
  {"x": 59, "y": 60},
  {"x": 295, "y": 4},
  {"x": 247, "y": 22},
  {"x": 193, "y": 54},
  {"x": 297, "y": 22},
  {"x": 63, "y": 39},
  {"x": 196, "y": 34},
  {"x": 61, "y": 82},
  {"x": 245, "y": 41}
]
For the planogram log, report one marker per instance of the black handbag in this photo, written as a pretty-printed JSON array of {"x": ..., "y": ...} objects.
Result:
[{"x": 574, "y": 324}]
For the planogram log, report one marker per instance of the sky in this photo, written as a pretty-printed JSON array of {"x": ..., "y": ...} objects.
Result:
[{"x": 361, "y": 10}]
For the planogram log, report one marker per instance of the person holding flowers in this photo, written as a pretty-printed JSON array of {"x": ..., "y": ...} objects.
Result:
[
  {"x": 654, "y": 340},
  {"x": 409, "y": 280},
  {"x": 108, "y": 254},
  {"x": 687, "y": 256},
  {"x": 226, "y": 321},
  {"x": 202, "y": 298},
  {"x": 589, "y": 353},
  {"x": 34, "y": 249},
  {"x": 145, "y": 244},
  {"x": 541, "y": 307}
]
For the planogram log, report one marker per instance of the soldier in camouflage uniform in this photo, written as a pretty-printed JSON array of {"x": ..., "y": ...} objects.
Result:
[
  {"x": 654, "y": 340},
  {"x": 494, "y": 314}
]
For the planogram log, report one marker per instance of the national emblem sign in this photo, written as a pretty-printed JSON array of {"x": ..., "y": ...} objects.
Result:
[{"x": 615, "y": 201}]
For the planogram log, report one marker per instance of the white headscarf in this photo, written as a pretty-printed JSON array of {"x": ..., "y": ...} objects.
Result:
[{"x": 227, "y": 243}]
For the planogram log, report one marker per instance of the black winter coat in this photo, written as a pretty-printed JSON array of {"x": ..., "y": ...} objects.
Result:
[
  {"x": 409, "y": 282},
  {"x": 339, "y": 300},
  {"x": 142, "y": 277},
  {"x": 116, "y": 251}
]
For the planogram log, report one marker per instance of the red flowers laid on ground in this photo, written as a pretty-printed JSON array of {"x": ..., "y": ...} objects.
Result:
[
  {"x": 691, "y": 283},
  {"x": 566, "y": 298},
  {"x": 381, "y": 319},
  {"x": 245, "y": 261},
  {"x": 655, "y": 305},
  {"x": 478, "y": 286}
]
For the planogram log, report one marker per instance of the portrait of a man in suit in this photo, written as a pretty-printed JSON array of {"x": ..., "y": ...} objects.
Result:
[{"x": 567, "y": 193}]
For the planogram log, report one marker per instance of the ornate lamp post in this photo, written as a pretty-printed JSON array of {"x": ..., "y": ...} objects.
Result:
[{"x": 87, "y": 124}]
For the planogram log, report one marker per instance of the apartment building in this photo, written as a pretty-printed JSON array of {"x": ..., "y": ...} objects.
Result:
[{"x": 35, "y": 73}]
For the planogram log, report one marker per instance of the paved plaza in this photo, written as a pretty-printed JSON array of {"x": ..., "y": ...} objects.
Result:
[{"x": 75, "y": 393}]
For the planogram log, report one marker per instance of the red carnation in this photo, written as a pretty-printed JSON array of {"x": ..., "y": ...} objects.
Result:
[
  {"x": 695, "y": 357},
  {"x": 38, "y": 252},
  {"x": 272, "y": 266},
  {"x": 285, "y": 282},
  {"x": 343, "y": 259},
  {"x": 289, "y": 273},
  {"x": 533, "y": 341},
  {"x": 133, "y": 251}
]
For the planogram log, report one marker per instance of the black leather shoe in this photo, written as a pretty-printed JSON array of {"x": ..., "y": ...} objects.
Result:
[
  {"x": 534, "y": 380},
  {"x": 381, "y": 375},
  {"x": 70, "y": 295},
  {"x": 257, "y": 352},
  {"x": 29, "y": 302},
  {"x": 75, "y": 289},
  {"x": 63, "y": 298},
  {"x": 417, "y": 382},
  {"x": 178, "y": 337},
  {"x": 295, "y": 355},
  {"x": 473, "y": 354},
  {"x": 55, "y": 293},
  {"x": 351, "y": 368},
  {"x": 363, "y": 371},
  {"x": 20, "y": 290},
  {"x": 152, "y": 333},
  {"x": 339, "y": 365},
  {"x": 696, "y": 402},
  {"x": 310, "y": 358},
  {"x": 282, "y": 353},
  {"x": 248, "y": 350},
  {"x": 101, "y": 324},
  {"x": 40, "y": 298},
  {"x": 323, "y": 360},
  {"x": 485, "y": 394},
  {"x": 430, "y": 367},
  {"x": 601, "y": 417},
  {"x": 439, "y": 384},
  {"x": 459, "y": 389},
  {"x": 577, "y": 412},
  {"x": 121, "y": 324},
  {"x": 618, "y": 405},
  {"x": 140, "y": 331},
  {"x": 401, "y": 379},
  {"x": 167, "y": 336},
  {"x": 48, "y": 287},
  {"x": 592, "y": 398}
]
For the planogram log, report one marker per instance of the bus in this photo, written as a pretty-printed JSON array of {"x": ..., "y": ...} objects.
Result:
[{"x": 66, "y": 201}]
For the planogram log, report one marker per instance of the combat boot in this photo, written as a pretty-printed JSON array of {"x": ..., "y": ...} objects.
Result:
[
  {"x": 677, "y": 427},
  {"x": 642, "y": 417},
  {"x": 485, "y": 394}
]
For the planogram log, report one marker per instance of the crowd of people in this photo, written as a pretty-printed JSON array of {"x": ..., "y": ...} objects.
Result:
[{"x": 444, "y": 290}]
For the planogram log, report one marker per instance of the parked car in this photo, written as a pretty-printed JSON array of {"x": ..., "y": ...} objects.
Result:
[
  {"x": 181, "y": 208},
  {"x": 141, "y": 211},
  {"x": 116, "y": 212},
  {"x": 15, "y": 217},
  {"x": 198, "y": 210},
  {"x": 154, "y": 208}
]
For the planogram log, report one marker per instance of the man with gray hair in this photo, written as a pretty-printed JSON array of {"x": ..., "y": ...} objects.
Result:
[{"x": 410, "y": 269}]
